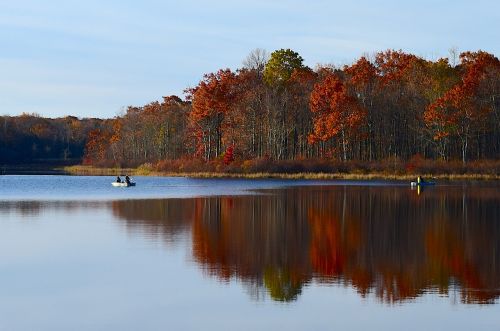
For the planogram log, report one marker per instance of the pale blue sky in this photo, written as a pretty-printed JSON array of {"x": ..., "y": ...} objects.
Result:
[{"x": 92, "y": 58}]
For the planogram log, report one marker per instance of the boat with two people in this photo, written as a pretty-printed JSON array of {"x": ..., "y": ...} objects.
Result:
[{"x": 123, "y": 183}]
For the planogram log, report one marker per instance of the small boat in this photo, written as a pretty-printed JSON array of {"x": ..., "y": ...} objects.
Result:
[
  {"x": 122, "y": 184},
  {"x": 422, "y": 183}
]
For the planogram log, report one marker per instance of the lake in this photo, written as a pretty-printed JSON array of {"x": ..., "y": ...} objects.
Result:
[{"x": 211, "y": 254}]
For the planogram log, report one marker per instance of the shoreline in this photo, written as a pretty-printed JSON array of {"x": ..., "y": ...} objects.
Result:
[{"x": 92, "y": 171}]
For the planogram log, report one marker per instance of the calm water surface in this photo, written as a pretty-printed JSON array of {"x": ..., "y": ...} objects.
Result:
[{"x": 187, "y": 254}]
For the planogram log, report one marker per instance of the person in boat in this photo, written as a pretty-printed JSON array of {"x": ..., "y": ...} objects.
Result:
[
  {"x": 421, "y": 180},
  {"x": 118, "y": 179},
  {"x": 127, "y": 179}
]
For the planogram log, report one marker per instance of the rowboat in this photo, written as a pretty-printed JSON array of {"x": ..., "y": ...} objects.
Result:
[
  {"x": 422, "y": 183},
  {"x": 123, "y": 184}
]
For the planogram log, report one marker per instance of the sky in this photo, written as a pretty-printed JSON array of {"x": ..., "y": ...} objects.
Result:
[{"x": 94, "y": 58}]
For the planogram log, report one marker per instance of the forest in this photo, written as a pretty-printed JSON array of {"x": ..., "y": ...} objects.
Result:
[
  {"x": 29, "y": 139},
  {"x": 388, "y": 110}
]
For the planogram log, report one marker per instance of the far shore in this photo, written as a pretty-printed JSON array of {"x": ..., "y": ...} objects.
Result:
[{"x": 80, "y": 170}]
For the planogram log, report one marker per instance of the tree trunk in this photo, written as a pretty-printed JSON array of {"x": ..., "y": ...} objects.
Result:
[{"x": 344, "y": 145}]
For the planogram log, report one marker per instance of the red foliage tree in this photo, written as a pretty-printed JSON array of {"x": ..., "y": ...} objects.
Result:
[
  {"x": 334, "y": 112},
  {"x": 393, "y": 66},
  {"x": 362, "y": 80},
  {"x": 229, "y": 155},
  {"x": 458, "y": 112},
  {"x": 362, "y": 73},
  {"x": 211, "y": 100}
]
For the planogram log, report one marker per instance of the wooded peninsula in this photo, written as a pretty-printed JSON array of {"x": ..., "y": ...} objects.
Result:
[{"x": 391, "y": 112}]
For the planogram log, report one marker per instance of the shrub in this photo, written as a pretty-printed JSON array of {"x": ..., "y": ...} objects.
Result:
[{"x": 415, "y": 165}]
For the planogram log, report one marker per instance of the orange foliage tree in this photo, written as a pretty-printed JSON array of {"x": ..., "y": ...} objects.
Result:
[
  {"x": 362, "y": 80},
  {"x": 334, "y": 112},
  {"x": 459, "y": 112},
  {"x": 97, "y": 144},
  {"x": 212, "y": 99}
]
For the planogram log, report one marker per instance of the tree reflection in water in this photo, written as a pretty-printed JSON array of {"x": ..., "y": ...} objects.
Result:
[{"x": 383, "y": 240}]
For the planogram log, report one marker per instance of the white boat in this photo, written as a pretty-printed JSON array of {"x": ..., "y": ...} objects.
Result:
[{"x": 122, "y": 184}]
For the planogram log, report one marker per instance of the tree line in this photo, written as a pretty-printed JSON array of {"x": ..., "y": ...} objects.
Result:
[
  {"x": 389, "y": 106},
  {"x": 30, "y": 138},
  {"x": 393, "y": 105}
]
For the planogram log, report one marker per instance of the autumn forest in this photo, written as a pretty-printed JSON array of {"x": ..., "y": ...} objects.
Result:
[{"x": 276, "y": 114}]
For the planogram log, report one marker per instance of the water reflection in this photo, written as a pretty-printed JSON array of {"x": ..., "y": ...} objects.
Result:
[
  {"x": 159, "y": 219},
  {"x": 386, "y": 241},
  {"x": 34, "y": 208}
]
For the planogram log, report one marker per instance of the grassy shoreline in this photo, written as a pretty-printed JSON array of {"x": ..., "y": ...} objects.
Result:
[{"x": 93, "y": 171}]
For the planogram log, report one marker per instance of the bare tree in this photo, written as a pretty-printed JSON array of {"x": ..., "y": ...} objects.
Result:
[
  {"x": 256, "y": 60},
  {"x": 453, "y": 52}
]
